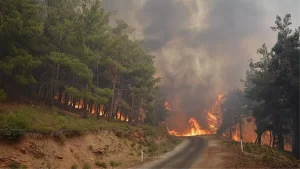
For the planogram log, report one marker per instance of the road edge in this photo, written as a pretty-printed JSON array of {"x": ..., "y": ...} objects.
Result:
[{"x": 166, "y": 156}]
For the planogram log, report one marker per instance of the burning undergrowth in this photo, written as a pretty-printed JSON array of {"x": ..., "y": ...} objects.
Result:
[{"x": 249, "y": 135}]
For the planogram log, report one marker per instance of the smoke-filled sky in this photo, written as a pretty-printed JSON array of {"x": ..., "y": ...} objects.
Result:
[{"x": 202, "y": 46}]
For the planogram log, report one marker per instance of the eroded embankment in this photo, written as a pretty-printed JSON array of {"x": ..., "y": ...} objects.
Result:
[{"x": 104, "y": 148}]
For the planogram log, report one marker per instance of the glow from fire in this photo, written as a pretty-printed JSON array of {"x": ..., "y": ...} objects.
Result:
[
  {"x": 213, "y": 118},
  {"x": 236, "y": 137},
  {"x": 168, "y": 106},
  {"x": 194, "y": 130},
  {"x": 121, "y": 117}
]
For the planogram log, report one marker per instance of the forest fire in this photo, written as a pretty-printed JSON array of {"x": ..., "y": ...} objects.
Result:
[
  {"x": 121, "y": 117},
  {"x": 194, "y": 130},
  {"x": 213, "y": 118}
]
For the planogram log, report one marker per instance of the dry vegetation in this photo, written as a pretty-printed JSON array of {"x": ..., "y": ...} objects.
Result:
[{"x": 255, "y": 156}]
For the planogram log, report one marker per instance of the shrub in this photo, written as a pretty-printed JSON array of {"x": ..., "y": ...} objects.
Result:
[
  {"x": 119, "y": 133},
  {"x": 61, "y": 137},
  {"x": 114, "y": 163},
  {"x": 101, "y": 164},
  {"x": 14, "y": 125},
  {"x": 150, "y": 130},
  {"x": 152, "y": 147},
  {"x": 90, "y": 147},
  {"x": 86, "y": 166},
  {"x": 16, "y": 165},
  {"x": 74, "y": 166}
]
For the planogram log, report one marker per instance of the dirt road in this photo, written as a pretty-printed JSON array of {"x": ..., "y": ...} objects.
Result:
[{"x": 199, "y": 152}]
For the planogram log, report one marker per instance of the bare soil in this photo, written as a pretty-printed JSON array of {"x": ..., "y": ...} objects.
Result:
[
  {"x": 37, "y": 151},
  {"x": 212, "y": 156}
]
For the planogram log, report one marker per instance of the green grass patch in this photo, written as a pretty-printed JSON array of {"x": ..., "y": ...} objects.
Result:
[
  {"x": 154, "y": 131},
  {"x": 16, "y": 165},
  {"x": 15, "y": 121},
  {"x": 114, "y": 163},
  {"x": 14, "y": 125}
]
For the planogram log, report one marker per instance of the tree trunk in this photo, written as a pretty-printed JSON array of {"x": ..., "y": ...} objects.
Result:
[
  {"x": 241, "y": 134},
  {"x": 84, "y": 105},
  {"x": 97, "y": 111},
  {"x": 91, "y": 107},
  {"x": 259, "y": 138},
  {"x": 60, "y": 93},
  {"x": 74, "y": 103},
  {"x": 274, "y": 139},
  {"x": 296, "y": 140},
  {"x": 270, "y": 144},
  {"x": 230, "y": 132},
  {"x": 112, "y": 101},
  {"x": 126, "y": 115},
  {"x": 66, "y": 101},
  {"x": 280, "y": 142},
  {"x": 240, "y": 125},
  {"x": 138, "y": 111},
  {"x": 56, "y": 79},
  {"x": 131, "y": 111}
]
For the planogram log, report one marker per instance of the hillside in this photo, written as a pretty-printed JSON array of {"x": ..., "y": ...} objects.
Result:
[
  {"x": 255, "y": 156},
  {"x": 39, "y": 137}
]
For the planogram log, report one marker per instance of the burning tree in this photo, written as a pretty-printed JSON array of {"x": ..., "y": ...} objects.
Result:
[{"x": 234, "y": 109}]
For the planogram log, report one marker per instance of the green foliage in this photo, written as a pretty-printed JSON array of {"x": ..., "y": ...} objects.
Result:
[
  {"x": 61, "y": 51},
  {"x": 20, "y": 29},
  {"x": 76, "y": 67},
  {"x": 114, "y": 163},
  {"x": 14, "y": 125},
  {"x": 72, "y": 91},
  {"x": 16, "y": 165},
  {"x": 273, "y": 82},
  {"x": 100, "y": 164}
]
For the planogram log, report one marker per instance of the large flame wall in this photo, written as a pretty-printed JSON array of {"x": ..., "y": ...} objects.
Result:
[{"x": 213, "y": 117}]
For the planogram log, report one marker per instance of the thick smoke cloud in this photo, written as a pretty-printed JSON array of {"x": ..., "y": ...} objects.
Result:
[{"x": 201, "y": 47}]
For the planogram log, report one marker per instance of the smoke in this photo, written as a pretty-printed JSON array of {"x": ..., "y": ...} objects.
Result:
[{"x": 201, "y": 47}]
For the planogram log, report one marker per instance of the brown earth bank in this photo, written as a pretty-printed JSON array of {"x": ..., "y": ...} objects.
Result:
[
  {"x": 224, "y": 153},
  {"x": 38, "y": 137},
  {"x": 97, "y": 150}
]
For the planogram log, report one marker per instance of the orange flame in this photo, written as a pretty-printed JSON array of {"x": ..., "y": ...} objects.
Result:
[
  {"x": 213, "y": 117},
  {"x": 121, "y": 117},
  {"x": 236, "y": 137},
  {"x": 168, "y": 106},
  {"x": 194, "y": 130}
]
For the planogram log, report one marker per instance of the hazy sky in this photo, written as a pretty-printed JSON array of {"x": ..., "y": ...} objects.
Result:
[{"x": 202, "y": 46}]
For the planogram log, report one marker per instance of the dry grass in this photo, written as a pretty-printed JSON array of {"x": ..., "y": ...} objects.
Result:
[{"x": 255, "y": 156}]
